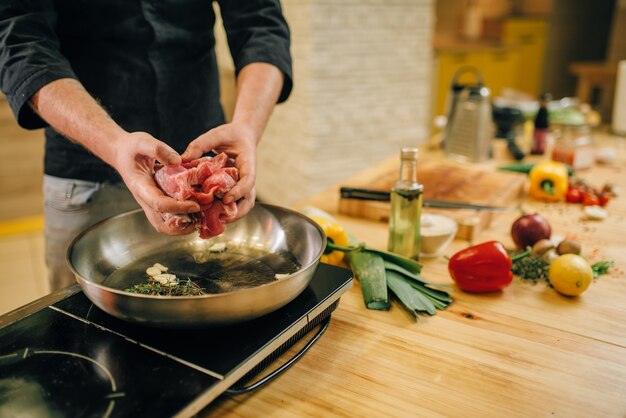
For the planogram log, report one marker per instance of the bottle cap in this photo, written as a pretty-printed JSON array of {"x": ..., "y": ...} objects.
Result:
[
  {"x": 545, "y": 97},
  {"x": 409, "y": 153}
]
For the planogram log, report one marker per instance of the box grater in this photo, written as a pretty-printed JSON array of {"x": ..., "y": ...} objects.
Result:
[{"x": 469, "y": 130}]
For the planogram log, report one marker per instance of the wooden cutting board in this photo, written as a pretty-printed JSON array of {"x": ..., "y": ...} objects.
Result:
[{"x": 443, "y": 180}]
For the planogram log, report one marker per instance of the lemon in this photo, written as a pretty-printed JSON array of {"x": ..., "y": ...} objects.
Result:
[{"x": 570, "y": 274}]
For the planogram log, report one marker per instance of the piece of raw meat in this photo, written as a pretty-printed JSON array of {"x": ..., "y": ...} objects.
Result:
[{"x": 206, "y": 181}]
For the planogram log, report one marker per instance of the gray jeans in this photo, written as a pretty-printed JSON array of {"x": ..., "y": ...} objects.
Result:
[{"x": 70, "y": 206}]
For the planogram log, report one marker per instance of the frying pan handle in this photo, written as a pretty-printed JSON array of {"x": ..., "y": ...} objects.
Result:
[{"x": 284, "y": 367}]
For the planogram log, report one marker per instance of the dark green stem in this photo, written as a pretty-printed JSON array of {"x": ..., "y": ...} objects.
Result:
[
  {"x": 521, "y": 255},
  {"x": 548, "y": 187}
]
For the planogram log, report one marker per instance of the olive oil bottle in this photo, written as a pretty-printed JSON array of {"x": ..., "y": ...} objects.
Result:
[{"x": 406, "y": 208}]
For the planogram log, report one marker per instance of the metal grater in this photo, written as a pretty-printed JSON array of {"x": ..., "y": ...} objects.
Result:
[{"x": 469, "y": 130}]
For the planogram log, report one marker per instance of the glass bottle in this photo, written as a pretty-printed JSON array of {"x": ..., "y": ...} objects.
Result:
[
  {"x": 540, "y": 133},
  {"x": 406, "y": 208}
]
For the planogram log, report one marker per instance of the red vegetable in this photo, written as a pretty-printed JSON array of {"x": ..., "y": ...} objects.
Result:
[
  {"x": 604, "y": 198},
  {"x": 591, "y": 199},
  {"x": 481, "y": 268},
  {"x": 528, "y": 229},
  {"x": 574, "y": 195}
]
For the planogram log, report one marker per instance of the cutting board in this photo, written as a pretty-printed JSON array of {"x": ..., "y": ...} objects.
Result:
[{"x": 442, "y": 180}]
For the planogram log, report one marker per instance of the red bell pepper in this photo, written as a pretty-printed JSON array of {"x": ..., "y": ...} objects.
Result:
[{"x": 481, "y": 268}]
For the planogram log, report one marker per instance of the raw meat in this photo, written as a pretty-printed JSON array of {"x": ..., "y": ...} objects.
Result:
[{"x": 206, "y": 181}]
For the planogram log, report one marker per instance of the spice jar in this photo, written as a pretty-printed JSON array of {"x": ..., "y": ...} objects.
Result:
[{"x": 574, "y": 146}]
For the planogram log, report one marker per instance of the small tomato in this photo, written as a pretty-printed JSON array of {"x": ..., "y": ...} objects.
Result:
[
  {"x": 591, "y": 199},
  {"x": 574, "y": 195},
  {"x": 604, "y": 198}
]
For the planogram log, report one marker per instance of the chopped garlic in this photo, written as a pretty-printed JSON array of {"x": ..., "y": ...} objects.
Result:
[
  {"x": 166, "y": 279},
  {"x": 217, "y": 248},
  {"x": 152, "y": 271},
  {"x": 157, "y": 268},
  {"x": 595, "y": 213},
  {"x": 160, "y": 267},
  {"x": 157, "y": 273},
  {"x": 279, "y": 276}
]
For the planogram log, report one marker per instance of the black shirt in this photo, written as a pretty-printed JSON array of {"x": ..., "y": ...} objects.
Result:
[{"x": 150, "y": 63}]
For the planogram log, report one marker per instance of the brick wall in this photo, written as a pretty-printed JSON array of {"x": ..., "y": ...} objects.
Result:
[{"x": 362, "y": 91}]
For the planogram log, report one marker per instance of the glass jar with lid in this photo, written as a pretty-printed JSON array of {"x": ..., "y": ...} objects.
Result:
[{"x": 573, "y": 145}]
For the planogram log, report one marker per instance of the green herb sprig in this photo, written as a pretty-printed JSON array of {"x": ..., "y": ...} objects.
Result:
[
  {"x": 601, "y": 267},
  {"x": 154, "y": 288}
]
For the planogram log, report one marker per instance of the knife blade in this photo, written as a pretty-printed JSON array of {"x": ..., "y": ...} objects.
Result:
[{"x": 384, "y": 196}]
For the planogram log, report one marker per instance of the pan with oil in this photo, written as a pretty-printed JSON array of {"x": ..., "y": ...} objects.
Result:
[{"x": 269, "y": 257}]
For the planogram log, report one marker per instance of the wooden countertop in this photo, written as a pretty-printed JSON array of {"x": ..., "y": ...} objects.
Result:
[{"x": 527, "y": 351}]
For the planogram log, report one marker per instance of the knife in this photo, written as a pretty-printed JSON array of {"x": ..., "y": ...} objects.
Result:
[{"x": 383, "y": 196}]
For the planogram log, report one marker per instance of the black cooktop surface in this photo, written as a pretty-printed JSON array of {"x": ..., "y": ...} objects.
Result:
[{"x": 70, "y": 359}]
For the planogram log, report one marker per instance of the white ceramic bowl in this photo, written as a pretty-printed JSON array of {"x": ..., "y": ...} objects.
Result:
[{"x": 437, "y": 231}]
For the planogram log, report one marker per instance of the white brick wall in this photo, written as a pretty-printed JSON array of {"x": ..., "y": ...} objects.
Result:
[{"x": 362, "y": 74}]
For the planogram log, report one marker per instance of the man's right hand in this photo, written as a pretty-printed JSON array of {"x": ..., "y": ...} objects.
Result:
[
  {"x": 67, "y": 107},
  {"x": 134, "y": 158}
]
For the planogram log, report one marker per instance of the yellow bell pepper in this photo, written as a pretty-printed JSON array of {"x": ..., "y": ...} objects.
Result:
[
  {"x": 337, "y": 235},
  {"x": 548, "y": 181}
]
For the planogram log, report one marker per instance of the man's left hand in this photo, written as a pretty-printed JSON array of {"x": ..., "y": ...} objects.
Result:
[{"x": 238, "y": 142}]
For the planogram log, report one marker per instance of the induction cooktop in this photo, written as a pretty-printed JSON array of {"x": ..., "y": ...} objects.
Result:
[{"x": 61, "y": 356}]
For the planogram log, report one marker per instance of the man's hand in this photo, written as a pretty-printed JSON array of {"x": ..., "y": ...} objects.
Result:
[
  {"x": 66, "y": 106},
  {"x": 258, "y": 87},
  {"x": 239, "y": 143},
  {"x": 134, "y": 159}
]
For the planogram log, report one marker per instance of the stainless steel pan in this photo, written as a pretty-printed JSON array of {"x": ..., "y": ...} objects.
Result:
[{"x": 112, "y": 255}]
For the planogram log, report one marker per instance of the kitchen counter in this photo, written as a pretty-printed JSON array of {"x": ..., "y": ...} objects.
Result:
[{"x": 526, "y": 351}]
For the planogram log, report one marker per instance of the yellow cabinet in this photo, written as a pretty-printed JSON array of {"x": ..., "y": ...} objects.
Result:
[
  {"x": 498, "y": 67},
  {"x": 516, "y": 62},
  {"x": 529, "y": 36}
]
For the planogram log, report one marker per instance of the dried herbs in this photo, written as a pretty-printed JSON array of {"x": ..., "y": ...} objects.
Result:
[
  {"x": 161, "y": 283},
  {"x": 531, "y": 267},
  {"x": 154, "y": 288}
]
